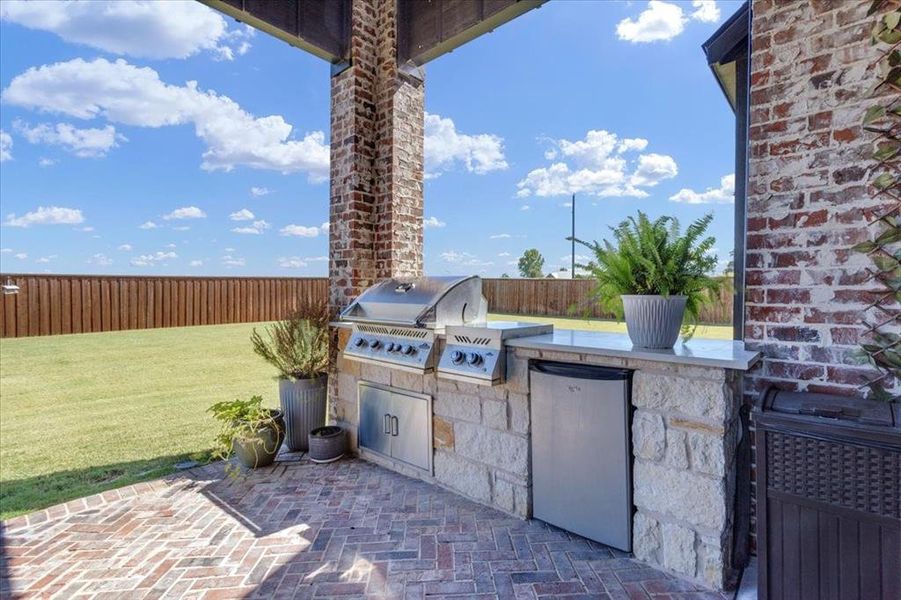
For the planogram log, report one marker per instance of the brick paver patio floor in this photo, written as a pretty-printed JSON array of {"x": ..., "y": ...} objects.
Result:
[{"x": 300, "y": 530}]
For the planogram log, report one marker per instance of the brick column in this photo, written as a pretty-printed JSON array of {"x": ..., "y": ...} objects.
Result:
[{"x": 376, "y": 160}]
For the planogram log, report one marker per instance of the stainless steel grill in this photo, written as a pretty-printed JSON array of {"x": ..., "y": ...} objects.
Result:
[
  {"x": 478, "y": 355},
  {"x": 395, "y": 321}
]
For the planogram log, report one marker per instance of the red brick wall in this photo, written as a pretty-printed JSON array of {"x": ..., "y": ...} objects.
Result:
[{"x": 806, "y": 293}]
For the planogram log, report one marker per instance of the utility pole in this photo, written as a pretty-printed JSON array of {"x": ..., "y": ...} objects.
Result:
[{"x": 572, "y": 255}]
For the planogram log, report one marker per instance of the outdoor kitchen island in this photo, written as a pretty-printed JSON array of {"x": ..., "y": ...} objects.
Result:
[{"x": 684, "y": 434}]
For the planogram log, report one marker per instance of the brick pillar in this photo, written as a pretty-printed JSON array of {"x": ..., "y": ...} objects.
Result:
[{"x": 376, "y": 160}]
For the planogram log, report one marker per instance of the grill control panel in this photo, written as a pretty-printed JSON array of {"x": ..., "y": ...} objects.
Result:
[
  {"x": 398, "y": 347},
  {"x": 476, "y": 353}
]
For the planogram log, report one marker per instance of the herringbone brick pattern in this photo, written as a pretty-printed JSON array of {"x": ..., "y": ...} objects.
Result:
[{"x": 299, "y": 530}]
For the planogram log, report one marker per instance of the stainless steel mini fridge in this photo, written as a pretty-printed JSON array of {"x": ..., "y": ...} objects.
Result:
[{"x": 581, "y": 457}]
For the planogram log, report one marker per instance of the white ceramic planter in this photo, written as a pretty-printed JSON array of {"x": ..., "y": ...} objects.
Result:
[
  {"x": 653, "y": 321},
  {"x": 304, "y": 403}
]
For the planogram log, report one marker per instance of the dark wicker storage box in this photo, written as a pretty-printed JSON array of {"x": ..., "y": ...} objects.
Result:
[{"x": 828, "y": 497}]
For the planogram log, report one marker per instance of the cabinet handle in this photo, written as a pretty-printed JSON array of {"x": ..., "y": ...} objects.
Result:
[
  {"x": 387, "y": 424},
  {"x": 394, "y": 426}
]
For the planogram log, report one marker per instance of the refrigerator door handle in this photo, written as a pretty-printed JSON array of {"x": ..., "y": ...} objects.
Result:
[
  {"x": 387, "y": 423},
  {"x": 394, "y": 426}
]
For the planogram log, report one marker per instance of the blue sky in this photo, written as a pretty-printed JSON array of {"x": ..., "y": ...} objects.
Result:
[{"x": 134, "y": 144}]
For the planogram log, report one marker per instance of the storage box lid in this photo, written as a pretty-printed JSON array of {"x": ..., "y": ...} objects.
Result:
[{"x": 841, "y": 409}]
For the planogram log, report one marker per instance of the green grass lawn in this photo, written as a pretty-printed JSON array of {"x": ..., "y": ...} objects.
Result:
[{"x": 83, "y": 413}]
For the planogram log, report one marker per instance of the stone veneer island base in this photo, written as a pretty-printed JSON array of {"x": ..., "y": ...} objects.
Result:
[{"x": 685, "y": 430}]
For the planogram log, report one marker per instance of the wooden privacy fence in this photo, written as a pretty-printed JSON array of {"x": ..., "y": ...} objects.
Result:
[
  {"x": 57, "y": 304},
  {"x": 554, "y": 297}
]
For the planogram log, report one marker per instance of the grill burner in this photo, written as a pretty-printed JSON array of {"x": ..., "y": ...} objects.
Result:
[
  {"x": 395, "y": 321},
  {"x": 477, "y": 354}
]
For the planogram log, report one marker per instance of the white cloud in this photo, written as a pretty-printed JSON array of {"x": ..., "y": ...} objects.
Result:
[
  {"x": 324, "y": 228},
  {"x": 241, "y": 215},
  {"x": 195, "y": 263},
  {"x": 652, "y": 169},
  {"x": 6, "y": 250},
  {"x": 47, "y": 162},
  {"x": 433, "y": 223},
  {"x": 147, "y": 260},
  {"x": 503, "y": 254},
  {"x": 464, "y": 258},
  {"x": 230, "y": 261},
  {"x": 525, "y": 207},
  {"x": 725, "y": 194},
  {"x": 46, "y": 215},
  {"x": 170, "y": 29},
  {"x": 185, "y": 212},
  {"x": 180, "y": 228},
  {"x": 500, "y": 236},
  {"x": 21, "y": 255},
  {"x": 299, "y": 230},
  {"x": 125, "y": 247},
  {"x": 256, "y": 192},
  {"x": 662, "y": 21},
  {"x": 147, "y": 225},
  {"x": 229, "y": 250},
  {"x": 602, "y": 164},
  {"x": 291, "y": 262},
  {"x": 45, "y": 259},
  {"x": 170, "y": 245},
  {"x": 86, "y": 229},
  {"x": 128, "y": 95},
  {"x": 256, "y": 228},
  {"x": 706, "y": 11},
  {"x": 445, "y": 147},
  {"x": 101, "y": 260},
  {"x": 6, "y": 146},
  {"x": 84, "y": 143}
]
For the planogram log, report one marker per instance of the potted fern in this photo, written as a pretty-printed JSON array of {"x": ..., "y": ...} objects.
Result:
[
  {"x": 248, "y": 430},
  {"x": 298, "y": 348},
  {"x": 655, "y": 276}
]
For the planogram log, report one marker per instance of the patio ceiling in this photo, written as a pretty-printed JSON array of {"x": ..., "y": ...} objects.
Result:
[{"x": 426, "y": 28}]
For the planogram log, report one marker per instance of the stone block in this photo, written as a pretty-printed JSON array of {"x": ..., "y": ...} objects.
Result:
[
  {"x": 519, "y": 413},
  {"x": 375, "y": 373},
  {"x": 496, "y": 448},
  {"x": 706, "y": 399},
  {"x": 494, "y": 414},
  {"x": 469, "y": 478},
  {"x": 648, "y": 435},
  {"x": 407, "y": 381},
  {"x": 442, "y": 433},
  {"x": 684, "y": 495},
  {"x": 522, "y": 508},
  {"x": 348, "y": 366},
  {"x": 711, "y": 563},
  {"x": 646, "y": 540},
  {"x": 676, "y": 450},
  {"x": 707, "y": 454},
  {"x": 567, "y": 357},
  {"x": 503, "y": 495},
  {"x": 457, "y": 406},
  {"x": 679, "y": 549},
  {"x": 517, "y": 375},
  {"x": 347, "y": 388}
]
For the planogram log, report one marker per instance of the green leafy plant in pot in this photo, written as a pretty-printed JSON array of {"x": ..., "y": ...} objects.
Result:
[
  {"x": 249, "y": 431},
  {"x": 298, "y": 348},
  {"x": 655, "y": 276}
]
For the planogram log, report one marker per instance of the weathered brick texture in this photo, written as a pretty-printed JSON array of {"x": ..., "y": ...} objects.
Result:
[
  {"x": 808, "y": 202},
  {"x": 376, "y": 160}
]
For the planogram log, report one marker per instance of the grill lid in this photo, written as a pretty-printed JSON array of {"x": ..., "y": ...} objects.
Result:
[{"x": 432, "y": 302}]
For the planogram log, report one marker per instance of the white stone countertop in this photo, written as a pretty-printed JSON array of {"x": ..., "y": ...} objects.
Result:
[{"x": 724, "y": 354}]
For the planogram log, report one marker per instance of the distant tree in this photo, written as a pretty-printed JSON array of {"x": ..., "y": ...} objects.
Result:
[
  {"x": 730, "y": 266},
  {"x": 530, "y": 263},
  {"x": 505, "y": 276}
]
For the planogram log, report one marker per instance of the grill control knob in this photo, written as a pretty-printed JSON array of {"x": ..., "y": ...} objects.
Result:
[
  {"x": 408, "y": 349},
  {"x": 375, "y": 344},
  {"x": 475, "y": 358},
  {"x": 457, "y": 357},
  {"x": 391, "y": 347},
  {"x": 359, "y": 342}
]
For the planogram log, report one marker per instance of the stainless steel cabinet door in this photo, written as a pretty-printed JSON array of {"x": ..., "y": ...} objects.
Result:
[
  {"x": 375, "y": 419},
  {"x": 580, "y": 457},
  {"x": 410, "y": 440}
]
